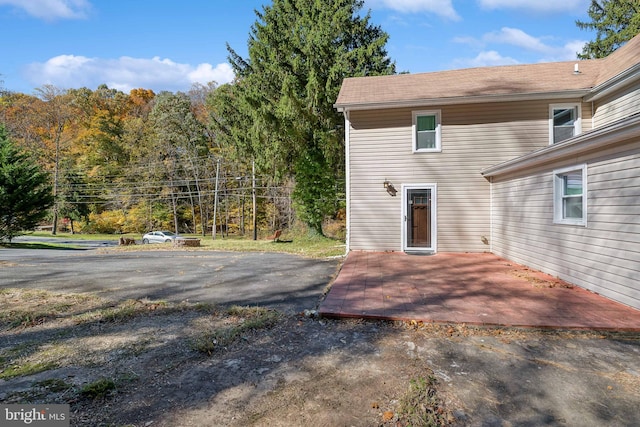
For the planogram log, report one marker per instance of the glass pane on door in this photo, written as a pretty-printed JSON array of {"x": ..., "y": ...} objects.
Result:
[{"x": 419, "y": 218}]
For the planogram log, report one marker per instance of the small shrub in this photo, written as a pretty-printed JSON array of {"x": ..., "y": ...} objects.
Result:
[{"x": 98, "y": 389}]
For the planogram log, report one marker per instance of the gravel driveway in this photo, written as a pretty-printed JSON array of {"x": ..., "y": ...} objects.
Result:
[{"x": 284, "y": 282}]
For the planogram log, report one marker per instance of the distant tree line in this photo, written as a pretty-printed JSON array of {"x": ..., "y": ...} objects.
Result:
[{"x": 125, "y": 163}]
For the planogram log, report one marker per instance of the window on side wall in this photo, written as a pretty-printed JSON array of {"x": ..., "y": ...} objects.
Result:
[
  {"x": 570, "y": 196},
  {"x": 565, "y": 122},
  {"x": 426, "y": 131}
]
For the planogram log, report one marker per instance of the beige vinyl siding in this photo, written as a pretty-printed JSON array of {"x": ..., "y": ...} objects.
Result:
[
  {"x": 474, "y": 137},
  {"x": 617, "y": 106},
  {"x": 604, "y": 256}
]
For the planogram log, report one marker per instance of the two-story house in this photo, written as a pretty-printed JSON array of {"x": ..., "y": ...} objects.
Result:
[{"x": 537, "y": 163}]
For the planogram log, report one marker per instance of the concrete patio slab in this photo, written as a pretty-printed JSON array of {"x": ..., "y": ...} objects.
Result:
[{"x": 471, "y": 288}]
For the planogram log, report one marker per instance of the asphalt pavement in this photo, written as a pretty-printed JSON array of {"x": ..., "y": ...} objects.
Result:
[{"x": 285, "y": 282}]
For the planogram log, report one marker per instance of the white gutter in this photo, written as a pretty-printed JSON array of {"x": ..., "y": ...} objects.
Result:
[
  {"x": 347, "y": 172},
  {"x": 621, "y": 130}
]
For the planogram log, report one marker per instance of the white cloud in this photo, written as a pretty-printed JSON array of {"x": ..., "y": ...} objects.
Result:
[
  {"x": 486, "y": 59},
  {"x": 518, "y": 38},
  {"x": 573, "y": 48},
  {"x": 125, "y": 73},
  {"x": 51, "y": 10},
  {"x": 543, "y": 6},
  {"x": 443, "y": 8}
]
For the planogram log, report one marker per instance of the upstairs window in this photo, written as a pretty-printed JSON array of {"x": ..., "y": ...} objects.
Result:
[
  {"x": 564, "y": 122},
  {"x": 570, "y": 196},
  {"x": 426, "y": 131}
]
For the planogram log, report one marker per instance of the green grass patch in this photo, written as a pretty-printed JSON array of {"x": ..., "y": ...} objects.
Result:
[
  {"x": 30, "y": 358},
  {"x": 103, "y": 387},
  {"x": 98, "y": 389},
  {"x": 28, "y": 368},
  {"x": 305, "y": 245}
]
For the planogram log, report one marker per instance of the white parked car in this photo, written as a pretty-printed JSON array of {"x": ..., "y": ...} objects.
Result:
[{"x": 159, "y": 237}]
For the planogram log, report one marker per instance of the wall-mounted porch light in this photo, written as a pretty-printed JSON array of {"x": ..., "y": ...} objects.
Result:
[{"x": 390, "y": 188}]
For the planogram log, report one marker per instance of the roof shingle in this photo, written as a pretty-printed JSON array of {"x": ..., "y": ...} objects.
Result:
[{"x": 465, "y": 84}]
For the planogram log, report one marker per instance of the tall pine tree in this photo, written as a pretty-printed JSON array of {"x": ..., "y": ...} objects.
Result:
[
  {"x": 25, "y": 191},
  {"x": 615, "y": 23},
  {"x": 299, "y": 53}
]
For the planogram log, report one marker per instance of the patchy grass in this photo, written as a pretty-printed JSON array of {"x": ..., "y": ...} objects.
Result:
[
  {"x": 27, "y": 308},
  {"x": 103, "y": 387},
  {"x": 29, "y": 358},
  {"x": 27, "y": 368},
  {"x": 242, "y": 320},
  {"x": 23, "y": 309},
  {"x": 98, "y": 389},
  {"x": 129, "y": 309},
  {"x": 421, "y": 406}
]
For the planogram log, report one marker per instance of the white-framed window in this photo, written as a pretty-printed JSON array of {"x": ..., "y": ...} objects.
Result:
[
  {"x": 570, "y": 195},
  {"x": 565, "y": 121},
  {"x": 426, "y": 131}
]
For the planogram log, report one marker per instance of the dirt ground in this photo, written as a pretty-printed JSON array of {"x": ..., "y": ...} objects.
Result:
[{"x": 144, "y": 363}]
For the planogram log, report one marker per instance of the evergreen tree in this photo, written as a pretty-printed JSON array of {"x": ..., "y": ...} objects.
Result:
[
  {"x": 25, "y": 191},
  {"x": 299, "y": 53},
  {"x": 615, "y": 23}
]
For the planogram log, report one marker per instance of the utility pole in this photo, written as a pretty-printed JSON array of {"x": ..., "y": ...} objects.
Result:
[
  {"x": 215, "y": 202},
  {"x": 253, "y": 194}
]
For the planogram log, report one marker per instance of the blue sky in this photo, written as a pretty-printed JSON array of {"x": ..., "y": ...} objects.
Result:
[{"x": 169, "y": 45}]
